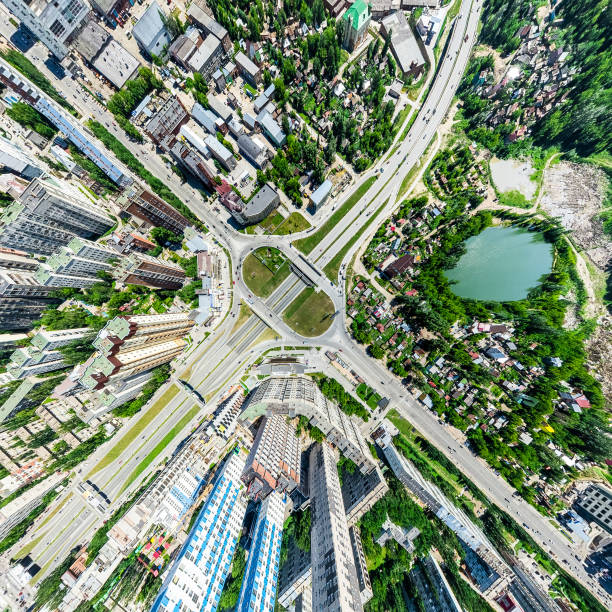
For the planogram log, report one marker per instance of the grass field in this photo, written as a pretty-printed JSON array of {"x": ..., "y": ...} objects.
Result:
[
  {"x": 142, "y": 466},
  {"x": 243, "y": 315},
  {"x": 294, "y": 223},
  {"x": 135, "y": 430},
  {"x": 310, "y": 314},
  {"x": 306, "y": 245},
  {"x": 259, "y": 278}
]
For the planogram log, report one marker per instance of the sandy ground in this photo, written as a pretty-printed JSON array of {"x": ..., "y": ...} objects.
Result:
[
  {"x": 573, "y": 193},
  {"x": 513, "y": 174},
  {"x": 499, "y": 64}
]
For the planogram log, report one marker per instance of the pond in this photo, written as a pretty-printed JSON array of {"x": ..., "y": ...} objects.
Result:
[{"x": 501, "y": 264}]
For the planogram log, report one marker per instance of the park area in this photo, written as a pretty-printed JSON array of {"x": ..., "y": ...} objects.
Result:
[
  {"x": 310, "y": 314},
  {"x": 264, "y": 270}
]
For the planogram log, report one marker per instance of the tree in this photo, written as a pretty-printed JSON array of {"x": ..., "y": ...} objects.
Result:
[{"x": 376, "y": 351}]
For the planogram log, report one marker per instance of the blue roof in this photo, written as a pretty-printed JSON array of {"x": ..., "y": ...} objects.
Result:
[{"x": 321, "y": 192}]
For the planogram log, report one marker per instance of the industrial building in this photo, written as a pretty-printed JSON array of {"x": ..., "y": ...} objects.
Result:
[
  {"x": 250, "y": 71},
  {"x": 406, "y": 49},
  {"x": 200, "y": 17},
  {"x": 222, "y": 154},
  {"x": 150, "y": 32},
  {"x": 166, "y": 122},
  {"x": 200, "y": 569},
  {"x": 274, "y": 459},
  {"x": 595, "y": 504},
  {"x": 319, "y": 196}
]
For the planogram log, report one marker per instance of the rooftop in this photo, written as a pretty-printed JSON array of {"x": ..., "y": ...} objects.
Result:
[{"x": 116, "y": 63}]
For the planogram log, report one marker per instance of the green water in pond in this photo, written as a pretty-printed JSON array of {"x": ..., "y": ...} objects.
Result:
[{"x": 501, "y": 264}]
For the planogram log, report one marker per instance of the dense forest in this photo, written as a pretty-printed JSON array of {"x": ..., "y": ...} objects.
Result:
[{"x": 582, "y": 123}]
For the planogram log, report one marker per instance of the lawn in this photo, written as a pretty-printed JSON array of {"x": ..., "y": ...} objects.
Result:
[
  {"x": 243, "y": 315},
  {"x": 142, "y": 466},
  {"x": 263, "y": 278},
  {"x": 271, "y": 223},
  {"x": 136, "y": 429},
  {"x": 310, "y": 314},
  {"x": 294, "y": 223},
  {"x": 306, "y": 245}
]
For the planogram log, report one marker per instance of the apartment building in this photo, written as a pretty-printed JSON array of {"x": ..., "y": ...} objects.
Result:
[
  {"x": 63, "y": 204},
  {"x": 149, "y": 271},
  {"x": 47, "y": 340},
  {"x": 274, "y": 460},
  {"x": 361, "y": 491},
  {"x": 11, "y": 259},
  {"x": 53, "y": 23},
  {"x": 140, "y": 202},
  {"x": 76, "y": 265},
  {"x": 28, "y": 361},
  {"x": 434, "y": 591},
  {"x": 335, "y": 587},
  {"x": 195, "y": 580},
  {"x": 363, "y": 577},
  {"x": 22, "y": 299},
  {"x": 74, "y": 131},
  {"x": 226, "y": 415},
  {"x": 116, "y": 393},
  {"x": 134, "y": 330},
  {"x": 22, "y": 229},
  {"x": 258, "y": 590},
  {"x": 467, "y": 531},
  {"x": 299, "y": 395},
  {"x": 128, "y": 346},
  {"x": 14, "y": 512}
]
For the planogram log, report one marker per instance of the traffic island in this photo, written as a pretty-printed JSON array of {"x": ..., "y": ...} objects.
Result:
[{"x": 310, "y": 314}]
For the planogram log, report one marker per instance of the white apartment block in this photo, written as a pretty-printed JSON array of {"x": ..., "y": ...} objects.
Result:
[
  {"x": 258, "y": 590},
  {"x": 195, "y": 581},
  {"x": 54, "y": 23},
  {"x": 274, "y": 460},
  {"x": 47, "y": 340},
  {"x": 14, "y": 512},
  {"x": 299, "y": 395},
  {"x": 335, "y": 587}
]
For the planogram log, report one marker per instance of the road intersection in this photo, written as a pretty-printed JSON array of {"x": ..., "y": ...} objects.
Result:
[{"x": 230, "y": 349}]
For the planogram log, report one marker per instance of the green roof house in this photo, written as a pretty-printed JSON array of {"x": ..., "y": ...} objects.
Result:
[{"x": 356, "y": 21}]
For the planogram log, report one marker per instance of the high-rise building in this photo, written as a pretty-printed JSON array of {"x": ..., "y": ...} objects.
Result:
[
  {"x": 47, "y": 340},
  {"x": 335, "y": 587},
  {"x": 14, "y": 512},
  {"x": 140, "y": 202},
  {"x": 61, "y": 203},
  {"x": 149, "y": 271},
  {"x": 595, "y": 504},
  {"x": 274, "y": 460},
  {"x": 299, "y": 395},
  {"x": 130, "y": 345},
  {"x": 19, "y": 228},
  {"x": 48, "y": 215},
  {"x": 22, "y": 299},
  {"x": 226, "y": 414},
  {"x": 29, "y": 360},
  {"x": 195, "y": 580},
  {"x": 11, "y": 259},
  {"x": 258, "y": 590},
  {"x": 355, "y": 24},
  {"x": 361, "y": 491},
  {"x": 435, "y": 593},
  {"x": 363, "y": 577},
  {"x": 76, "y": 265},
  {"x": 53, "y": 23}
]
